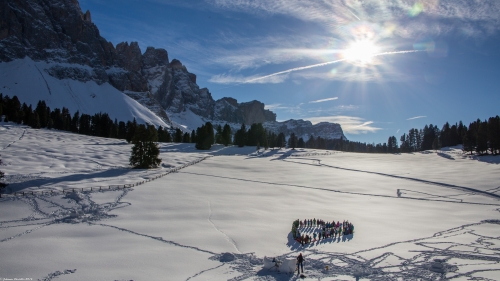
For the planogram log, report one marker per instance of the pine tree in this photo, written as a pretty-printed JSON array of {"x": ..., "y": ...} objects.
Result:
[
  {"x": 226, "y": 135},
  {"x": 178, "y": 135},
  {"x": 145, "y": 151},
  {"x": 468, "y": 141},
  {"x": 392, "y": 145},
  {"x": 131, "y": 127},
  {"x": 281, "y": 140},
  {"x": 205, "y": 136},
  {"x": 218, "y": 134},
  {"x": 482, "y": 138},
  {"x": 122, "y": 130},
  {"x": 301, "y": 143},
  {"x": 240, "y": 136},
  {"x": 75, "y": 121},
  {"x": 494, "y": 134},
  {"x": 193, "y": 136},
  {"x": 292, "y": 141},
  {"x": 2, "y": 185},
  {"x": 1, "y": 106}
]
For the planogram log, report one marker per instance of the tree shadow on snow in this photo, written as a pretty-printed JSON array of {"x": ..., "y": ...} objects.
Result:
[
  {"x": 445, "y": 155},
  {"x": 490, "y": 159},
  {"x": 16, "y": 187}
]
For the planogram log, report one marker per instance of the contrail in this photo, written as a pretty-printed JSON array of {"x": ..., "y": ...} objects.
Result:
[
  {"x": 294, "y": 69},
  {"x": 323, "y": 64},
  {"x": 353, "y": 14}
]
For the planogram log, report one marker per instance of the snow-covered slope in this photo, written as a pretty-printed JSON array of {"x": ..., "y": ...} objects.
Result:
[
  {"x": 422, "y": 216},
  {"x": 30, "y": 82}
]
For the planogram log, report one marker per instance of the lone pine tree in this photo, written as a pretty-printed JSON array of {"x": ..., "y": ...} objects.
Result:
[{"x": 145, "y": 151}]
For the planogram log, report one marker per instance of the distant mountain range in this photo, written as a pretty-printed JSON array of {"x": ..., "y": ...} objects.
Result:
[{"x": 50, "y": 50}]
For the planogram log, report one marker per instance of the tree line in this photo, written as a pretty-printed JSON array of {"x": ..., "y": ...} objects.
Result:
[
  {"x": 482, "y": 137},
  {"x": 144, "y": 136},
  {"x": 99, "y": 124}
]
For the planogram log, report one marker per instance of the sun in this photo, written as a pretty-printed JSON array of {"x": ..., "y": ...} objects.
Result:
[{"x": 361, "y": 52}]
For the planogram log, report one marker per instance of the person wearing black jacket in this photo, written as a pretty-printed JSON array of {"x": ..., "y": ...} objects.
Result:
[{"x": 300, "y": 263}]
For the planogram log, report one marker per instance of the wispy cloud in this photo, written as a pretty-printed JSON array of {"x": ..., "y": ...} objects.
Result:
[
  {"x": 350, "y": 124},
  {"x": 229, "y": 79},
  {"x": 416, "y": 117},
  {"x": 273, "y": 106},
  {"x": 323, "y": 100},
  {"x": 412, "y": 18}
]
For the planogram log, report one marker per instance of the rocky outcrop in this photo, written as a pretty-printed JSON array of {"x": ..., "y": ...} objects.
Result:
[
  {"x": 229, "y": 110},
  {"x": 254, "y": 112},
  {"x": 52, "y": 29},
  {"x": 305, "y": 129},
  {"x": 176, "y": 90}
]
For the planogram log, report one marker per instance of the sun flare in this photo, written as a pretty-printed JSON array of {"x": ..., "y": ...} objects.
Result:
[{"x": 361, "y": 52}]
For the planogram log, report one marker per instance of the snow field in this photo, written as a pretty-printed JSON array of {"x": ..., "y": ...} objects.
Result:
[{"x": 242, "y": 202}]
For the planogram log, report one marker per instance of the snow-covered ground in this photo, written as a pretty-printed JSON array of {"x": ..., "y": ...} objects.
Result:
[{"x": 443, "y": 224}]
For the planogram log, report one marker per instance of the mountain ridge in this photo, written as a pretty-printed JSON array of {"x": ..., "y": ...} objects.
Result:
[{"x": 59, "y": 33}]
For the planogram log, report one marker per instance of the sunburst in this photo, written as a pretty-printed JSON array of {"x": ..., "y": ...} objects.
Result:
[{"x": 361, "y": 52}]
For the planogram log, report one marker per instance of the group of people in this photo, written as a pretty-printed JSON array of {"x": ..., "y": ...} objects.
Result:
[{"x": 323, "y": 230}]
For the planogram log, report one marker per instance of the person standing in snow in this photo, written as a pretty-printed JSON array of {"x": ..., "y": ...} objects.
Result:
[{"x": 300, "y": 263}]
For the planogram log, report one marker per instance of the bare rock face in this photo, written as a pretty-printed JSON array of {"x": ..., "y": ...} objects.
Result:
[
  {"x": 154, "y": 57},
  {"x": 129, "y": 57},
  {"x": 51, "y": 29},
  {"x": 305, "y": 129},
  {"x": 179, "y": 92},
  {"x": 254, "y": 112},
  {"x": 229, "y": 110}
]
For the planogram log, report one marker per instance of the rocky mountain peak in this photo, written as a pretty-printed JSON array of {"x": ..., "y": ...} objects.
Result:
[
  {"x": 154, "y": 57},
  {"x": 87, "y": 17},
  {"x": 129, "y": 56}
]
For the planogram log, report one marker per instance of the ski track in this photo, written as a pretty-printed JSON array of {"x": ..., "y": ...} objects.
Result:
[
  {"x": 11, "y": 143},
  {"x": 156, "y": 238},
  {"x": 203, "y": 271},
  {"x": 228, "y": 239},
  {"x": 462, "y": 188},
  {"x": 339, "y": 191}
]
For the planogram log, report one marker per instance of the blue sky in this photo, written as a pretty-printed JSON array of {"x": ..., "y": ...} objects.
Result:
[{"x": 377, "y": 67}]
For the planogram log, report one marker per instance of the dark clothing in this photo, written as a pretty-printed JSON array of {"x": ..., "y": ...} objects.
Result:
[{"x": 300, "y": 264}]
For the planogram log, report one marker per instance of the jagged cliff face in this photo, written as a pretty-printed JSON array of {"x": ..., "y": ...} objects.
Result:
[
  {"x": 305, "y": 129},
  {"x": 56, "y": 30},
  {"x": 229, "y": 110}
]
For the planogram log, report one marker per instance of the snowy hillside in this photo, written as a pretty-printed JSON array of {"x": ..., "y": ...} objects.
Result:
[
  {"x": 422, "y": 216},
  {"x": 87, "y": 97}
]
